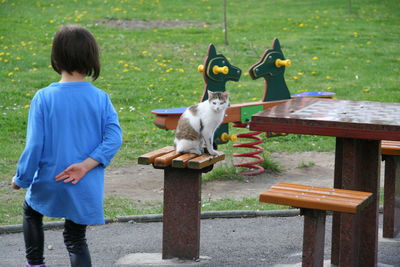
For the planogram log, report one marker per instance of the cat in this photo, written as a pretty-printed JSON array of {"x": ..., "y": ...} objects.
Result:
[{"x": 198, "y": 123}]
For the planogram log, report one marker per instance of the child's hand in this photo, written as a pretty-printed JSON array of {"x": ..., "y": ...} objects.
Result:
[
  {"x": 14, "y": 186},
  {"x": 73, "y": 173}
]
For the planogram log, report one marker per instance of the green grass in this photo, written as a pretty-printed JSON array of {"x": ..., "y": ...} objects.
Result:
[{"x": 355, "y": 54}]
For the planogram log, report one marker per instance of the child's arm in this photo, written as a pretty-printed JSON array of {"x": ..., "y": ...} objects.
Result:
[
  {"x": 112, "y": 137},
  {"x": 75, "y": 172},
  {"x": 30, "y": 158}
]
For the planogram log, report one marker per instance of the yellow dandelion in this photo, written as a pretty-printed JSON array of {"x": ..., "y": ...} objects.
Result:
[
  {"x": 369, "y": 42},
  {"x": 34, "y": 63},
  {"x": 51, "y": 21},
  {"x": 1, "y": 53},
  {"x": 10, "y": 74},
  {"x": 16, "y": 68},
  {"x": 181, "y": 70},
  {"x": 313, "y": 73},
  {"x": 356, "y": 34},
  {"x": 301, "y": 25},
  {"x": 300, "y": 73},
  {"x": 49, "y": 67},
  {"x": 28, "y": 94},
  {"x": 315, "y": 58},
  {"x": 126, "y": 65},
  {"x": 246, "y": 74},
  {"x": 18, "y": 58},
  {"x": 26, "y": 106},
  {"x": 137, "y": 68},
  {"x": 366, "y": 90},
  {"x": 117, "y": 9},
  {"x": 316, "y": 27},
  {"x": 125, "y": 70},
  {"x": 254, "y": 99},
  {"x": 8, "y": 54},
  {"x": 5, "y": 60},
  {"x": 328, "y": 77},
  {"x": 205, "y": 26},
  {"x": 295, "y": 77}
]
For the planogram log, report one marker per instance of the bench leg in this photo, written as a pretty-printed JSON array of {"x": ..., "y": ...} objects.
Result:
[
  {"x": 313, "y": 237},
  {"x": 391, "y": 206},
  {"x": 181, "y": 219}
]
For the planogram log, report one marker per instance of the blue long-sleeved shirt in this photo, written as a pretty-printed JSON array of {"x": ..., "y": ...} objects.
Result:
[{"x": 67, "y": 123}]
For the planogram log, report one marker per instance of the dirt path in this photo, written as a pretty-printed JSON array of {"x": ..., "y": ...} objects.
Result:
[{"x": 144, "y": 183}]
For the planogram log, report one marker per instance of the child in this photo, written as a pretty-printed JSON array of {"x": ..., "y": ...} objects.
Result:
[{"x": 73, "y": 133}]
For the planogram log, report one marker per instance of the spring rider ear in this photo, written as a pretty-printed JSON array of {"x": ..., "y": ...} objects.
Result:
[
  {"x": 271, "y": 67},
  {"x": 217, "y": 70}
]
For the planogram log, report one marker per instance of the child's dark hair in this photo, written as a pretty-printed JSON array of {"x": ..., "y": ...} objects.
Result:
[{"x": 75, "y": 49}]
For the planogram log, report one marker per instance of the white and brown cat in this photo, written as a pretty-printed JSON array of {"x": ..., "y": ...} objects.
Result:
[{"x": 198, "y": 123}]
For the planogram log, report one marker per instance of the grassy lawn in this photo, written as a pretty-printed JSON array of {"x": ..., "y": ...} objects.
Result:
[{"x": 354, "y": 53}]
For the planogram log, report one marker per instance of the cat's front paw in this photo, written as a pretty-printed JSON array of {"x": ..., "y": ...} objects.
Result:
[{"x": 215, "y": 153}]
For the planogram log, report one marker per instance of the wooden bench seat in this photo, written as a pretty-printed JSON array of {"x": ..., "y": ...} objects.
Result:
[
  {"x": 390, "y": 151},
  {"x": 168, "y": 157},
  {"x": 182, "y": 199},
  {"x": 314, "y": 201}
]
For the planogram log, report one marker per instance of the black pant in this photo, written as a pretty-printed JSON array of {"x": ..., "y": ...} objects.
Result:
[{"x": 74, "y": 239}]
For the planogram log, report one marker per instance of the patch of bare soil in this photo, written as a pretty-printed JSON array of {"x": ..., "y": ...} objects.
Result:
[
  {"x": 141, "y": 24},
  {"x": 144, "y": 183}
]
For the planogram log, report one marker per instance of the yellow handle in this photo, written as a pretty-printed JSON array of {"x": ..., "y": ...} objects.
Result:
[
  {"x": 200, "y": 68},
  {"x": 224, "y": 70},
  {"x": 280, "y": 63},
  {"x": 225, "y": 137}
]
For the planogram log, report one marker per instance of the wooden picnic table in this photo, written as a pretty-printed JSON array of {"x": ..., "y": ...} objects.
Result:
[{"x": 359, "y": 127}]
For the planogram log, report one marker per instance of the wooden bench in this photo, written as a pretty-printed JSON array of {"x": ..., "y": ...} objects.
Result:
[
  {"x": 313, "y": 202},
  {"x": 182, "y": 199},
  {"x": 390, "y": 151}
]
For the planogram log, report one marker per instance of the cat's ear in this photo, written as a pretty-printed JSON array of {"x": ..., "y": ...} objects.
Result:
[
  {"x": 210, "y": 94},
  {"x": 225, "y": 94}
]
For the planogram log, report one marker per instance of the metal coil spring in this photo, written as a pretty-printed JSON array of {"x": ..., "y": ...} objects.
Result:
[{"x": 252, "y": 154}]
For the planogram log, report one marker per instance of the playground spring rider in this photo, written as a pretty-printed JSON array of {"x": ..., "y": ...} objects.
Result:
[{"x": 271, "y": 67}]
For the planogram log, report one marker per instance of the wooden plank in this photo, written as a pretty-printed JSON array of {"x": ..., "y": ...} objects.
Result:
[
  {"x": 149, "y": 157},
  {"x": 182, "y": 161},
  {"x": 390, "y": 148},
  {"x": 322, "y": 198},
  {"x": 166, "y": 160},
  {"x": 338, "y": 193},
  {"x": 204, "y": 161}
]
